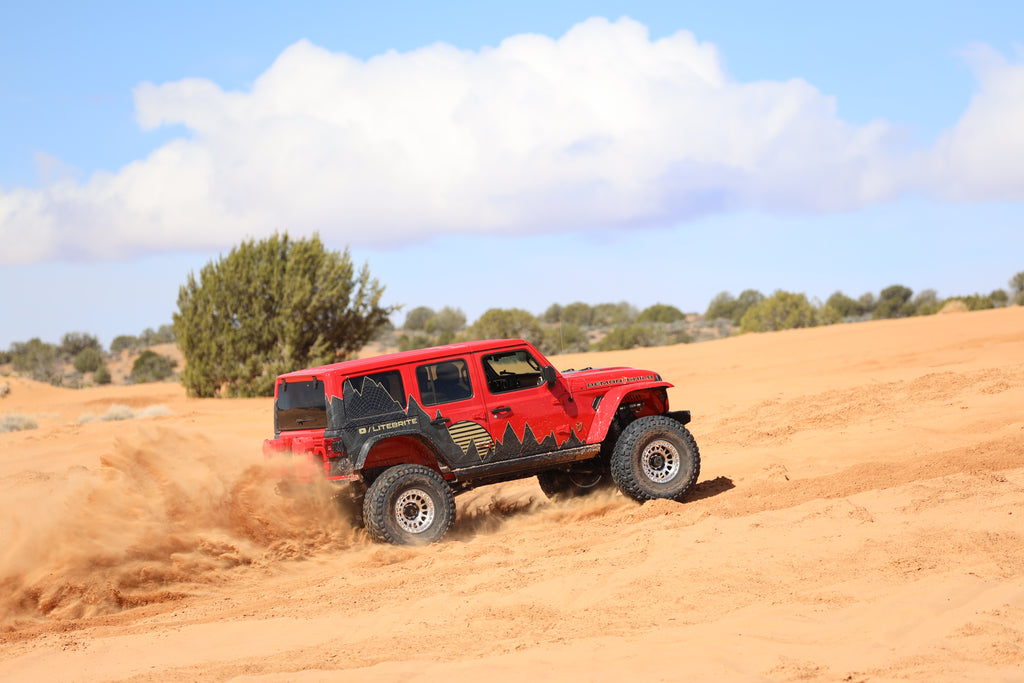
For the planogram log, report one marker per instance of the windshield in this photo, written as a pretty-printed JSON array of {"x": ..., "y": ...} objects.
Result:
[
  {"x": 511, "y": 370},
  {"x": 301, "y": 405}
]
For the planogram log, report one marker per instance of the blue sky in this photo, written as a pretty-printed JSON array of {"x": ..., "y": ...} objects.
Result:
[{"x": 511, "y": 156}]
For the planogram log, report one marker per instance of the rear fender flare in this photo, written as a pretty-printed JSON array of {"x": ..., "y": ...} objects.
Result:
[{"x": 440, "y": 463}]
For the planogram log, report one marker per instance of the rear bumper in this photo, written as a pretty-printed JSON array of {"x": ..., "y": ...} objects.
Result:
[{"x": 303, "y": 467}]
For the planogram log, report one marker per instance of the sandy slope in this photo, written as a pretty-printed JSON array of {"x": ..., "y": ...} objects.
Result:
[{"x": 858, "y": 518}]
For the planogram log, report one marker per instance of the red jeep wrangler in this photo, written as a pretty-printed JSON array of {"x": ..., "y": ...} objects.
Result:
[{"x": 405, "y": 432}]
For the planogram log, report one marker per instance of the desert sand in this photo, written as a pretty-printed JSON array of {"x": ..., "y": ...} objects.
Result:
[{"x": 858, "y": 517}]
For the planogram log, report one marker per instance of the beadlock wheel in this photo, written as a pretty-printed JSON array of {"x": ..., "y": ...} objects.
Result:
[
  {"x": 414, "y": 511},
  {"x": 655, "y": 457},
  {"x": 408, "y": 505},
  {"x": 660, "y": 461}
]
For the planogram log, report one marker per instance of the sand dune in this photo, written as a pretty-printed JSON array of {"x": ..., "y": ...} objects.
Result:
[{"x": 858, "y": 518}]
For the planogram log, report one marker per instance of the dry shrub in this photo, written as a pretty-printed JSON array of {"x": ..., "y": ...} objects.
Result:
[
  {"x": 123, "y": 412},
  {"x": 13, "y": 422}
]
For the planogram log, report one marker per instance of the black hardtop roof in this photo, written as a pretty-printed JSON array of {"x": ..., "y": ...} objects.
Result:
[{"x": 363, "y": 366}]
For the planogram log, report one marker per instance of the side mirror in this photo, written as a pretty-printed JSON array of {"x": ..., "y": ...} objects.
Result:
[{"x": 549, "y": 375}]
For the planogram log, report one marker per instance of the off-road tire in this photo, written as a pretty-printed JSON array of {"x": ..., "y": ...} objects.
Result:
[
  {"x": 408, "y": 505},
  {"x": 655, "y": 457},
  {"x": 562, "y": 485}
]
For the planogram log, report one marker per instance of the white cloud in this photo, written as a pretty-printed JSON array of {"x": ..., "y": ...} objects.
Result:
[
  {"x": 602, "y": 127},
  {"x": 982, "y": 156}
]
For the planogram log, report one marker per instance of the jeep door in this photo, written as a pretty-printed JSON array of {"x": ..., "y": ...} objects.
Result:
[{"x": 526, "y": 416}]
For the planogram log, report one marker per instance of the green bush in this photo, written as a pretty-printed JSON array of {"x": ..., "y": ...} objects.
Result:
[
  {"x": 828, "y": 315},
  {"x": 564, "y": 338},
  {"x": 506, "y": 323},
  {"x": 894, "y": 302},
  {"x": 725, "y": 307},
  {"x": 553, "y": 314},
  {"x": 445, "y": 324},
  {"x": 416, "y": 319},
  {"x": 867, "y": 303},
  {"x": 747, "y": 299},
  {"x": 37, "y": 359},
  {"x": 722, "y": 307},
  {"x": 577, "y": 313},
  {"x": 660, "y": 313},
  {"x": 606, "y": 314},
  {"x": 845, "y": 306},
  {"x": 781, "y": 311},
  {"x": 425, "y": 327},
  {"x": 88, "y": 360},
  {"x": 123, "y": 342},
  {"x": 638, "y": 335},
  {"x": 627, "y": 337},
  {"x": 73, "y": 343},
  {"x": 163, "y": 335},
  {"x": 151, "y": 367},
  {"x": 102, "y": 375}
]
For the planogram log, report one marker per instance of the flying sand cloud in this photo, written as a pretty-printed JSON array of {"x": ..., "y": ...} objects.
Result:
[{"x": 602, "y": 127}]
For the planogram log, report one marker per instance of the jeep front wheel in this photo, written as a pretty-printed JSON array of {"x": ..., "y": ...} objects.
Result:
[
  {"x": 408, "y": 505},
  {"x": 655, "y": 457}
]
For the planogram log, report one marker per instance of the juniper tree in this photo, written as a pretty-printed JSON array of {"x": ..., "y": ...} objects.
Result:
[{"x": 270, "y": 307}]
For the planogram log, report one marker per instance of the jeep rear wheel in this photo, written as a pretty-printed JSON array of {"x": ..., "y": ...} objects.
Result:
[
  {"x": 408, "y": 505},
  {"x": 655, "y": 457},
  {"x": 561, "y": 484}
]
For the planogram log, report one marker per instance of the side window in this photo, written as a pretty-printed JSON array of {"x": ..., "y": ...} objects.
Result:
[
  {"x": 390, "y": 380},
  {"x": 511, "y": 370},
  {"x": 444, "y": 382}
]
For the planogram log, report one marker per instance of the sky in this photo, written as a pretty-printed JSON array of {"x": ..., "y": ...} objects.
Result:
[{"x": 508, "y": 156}]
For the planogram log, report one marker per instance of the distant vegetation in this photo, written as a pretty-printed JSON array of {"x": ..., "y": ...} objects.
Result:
[
  {"x": 574, "y": 328},
  {"x": 149, "y": 337},
  {"x": 578, "y": 326},
  {"x": 301, "y": 282},
  {"x": 45, "y": 362}
]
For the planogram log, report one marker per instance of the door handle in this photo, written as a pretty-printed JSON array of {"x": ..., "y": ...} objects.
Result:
[
  {"x": 437, "y": 422},
  {"x": 499, "y": 410}
]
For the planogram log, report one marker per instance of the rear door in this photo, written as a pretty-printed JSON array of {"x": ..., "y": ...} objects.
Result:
[{"x": 452, "y": 397}]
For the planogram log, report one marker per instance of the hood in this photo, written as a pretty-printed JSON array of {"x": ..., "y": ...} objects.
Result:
[{"x": 600, "y": 380}]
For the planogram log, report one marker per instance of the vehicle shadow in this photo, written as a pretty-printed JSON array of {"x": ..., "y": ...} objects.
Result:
[
  {"x": 709, "y": 488},
  {"x": 487, "y": 514}
]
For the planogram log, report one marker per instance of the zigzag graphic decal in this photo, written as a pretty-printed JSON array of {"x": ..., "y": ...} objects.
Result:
[{"x": 372, "y": 413}]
